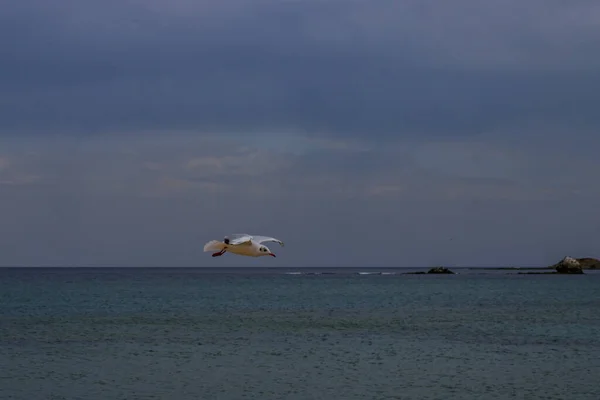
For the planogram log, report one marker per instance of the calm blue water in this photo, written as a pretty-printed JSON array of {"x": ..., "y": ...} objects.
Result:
[{"x": 264, "y": 334}]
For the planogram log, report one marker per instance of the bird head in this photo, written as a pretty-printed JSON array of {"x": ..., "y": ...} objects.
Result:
[{"x": 264, "y": 251}]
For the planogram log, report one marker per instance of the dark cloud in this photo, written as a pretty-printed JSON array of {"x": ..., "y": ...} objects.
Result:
[{"x": 328, "y": 68}]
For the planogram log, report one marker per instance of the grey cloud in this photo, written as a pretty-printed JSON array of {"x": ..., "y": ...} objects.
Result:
[
  {"x": 47, "y": 228},
  {"x": 154, "y": 200}
]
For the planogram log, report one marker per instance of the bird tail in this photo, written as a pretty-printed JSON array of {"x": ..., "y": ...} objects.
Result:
[{"x": 214, "y": 245}]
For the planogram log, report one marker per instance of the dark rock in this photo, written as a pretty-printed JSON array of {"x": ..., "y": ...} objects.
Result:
[
  {"x": 537, "y": 273},
  {"x": 585, "y": 263},
  {"x": 569, "y": 269},
  {"x": 439, "y": 270},
  {"x": 589, "y": 263},
  {"x": 568, "y": 265}
]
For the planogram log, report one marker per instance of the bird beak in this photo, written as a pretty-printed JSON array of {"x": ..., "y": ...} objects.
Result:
[{"x": 272, "y": 255}]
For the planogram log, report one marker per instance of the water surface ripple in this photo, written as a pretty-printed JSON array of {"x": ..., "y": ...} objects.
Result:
[{"x": 266, "y": 334}]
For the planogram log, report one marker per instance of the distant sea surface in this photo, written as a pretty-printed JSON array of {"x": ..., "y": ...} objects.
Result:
[{"x": 221, "y": 334}]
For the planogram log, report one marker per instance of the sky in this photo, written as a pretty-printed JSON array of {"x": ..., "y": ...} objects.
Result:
[{"x": 360, "y": 132}]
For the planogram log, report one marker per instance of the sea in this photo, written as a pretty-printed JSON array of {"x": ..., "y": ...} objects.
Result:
[{"x": 312, "y": 333}]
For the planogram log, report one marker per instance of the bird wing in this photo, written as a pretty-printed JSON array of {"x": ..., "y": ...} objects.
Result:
[
  {"x": 214, "y": 245},
  {"x": 262, "y": 239},
  {"x": 244, "y": 238},
  {"x": 240, "y": 238}
]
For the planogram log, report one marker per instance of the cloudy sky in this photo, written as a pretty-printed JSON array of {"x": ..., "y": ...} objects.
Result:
[{"x": 360, "y": 132}]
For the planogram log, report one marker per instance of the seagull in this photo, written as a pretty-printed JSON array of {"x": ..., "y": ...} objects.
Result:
[{"x": 243, "y": 245}]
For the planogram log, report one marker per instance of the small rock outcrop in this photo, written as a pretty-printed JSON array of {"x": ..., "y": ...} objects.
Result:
[
  {"x": 568, "y": 265},
  {"x": 589, "y": 263},
  {"x": 440, "y": 270},
  {"x": 585, "y": 262}
]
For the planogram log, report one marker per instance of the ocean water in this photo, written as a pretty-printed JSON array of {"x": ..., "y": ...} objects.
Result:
[{"x": 76, "y": 333}]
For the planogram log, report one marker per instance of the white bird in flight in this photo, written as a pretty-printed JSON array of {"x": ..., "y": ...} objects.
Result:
[{"x": 243, "y": 245}]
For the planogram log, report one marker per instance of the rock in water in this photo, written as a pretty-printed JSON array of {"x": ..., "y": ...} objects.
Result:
[
  {"x": 589, "y": 263},
  {"x": 585, "y": 262},
  {"x": 440, "y": 270},
  {"x": 569, "y": 265},
  {"x": 570, "y": 261}
]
